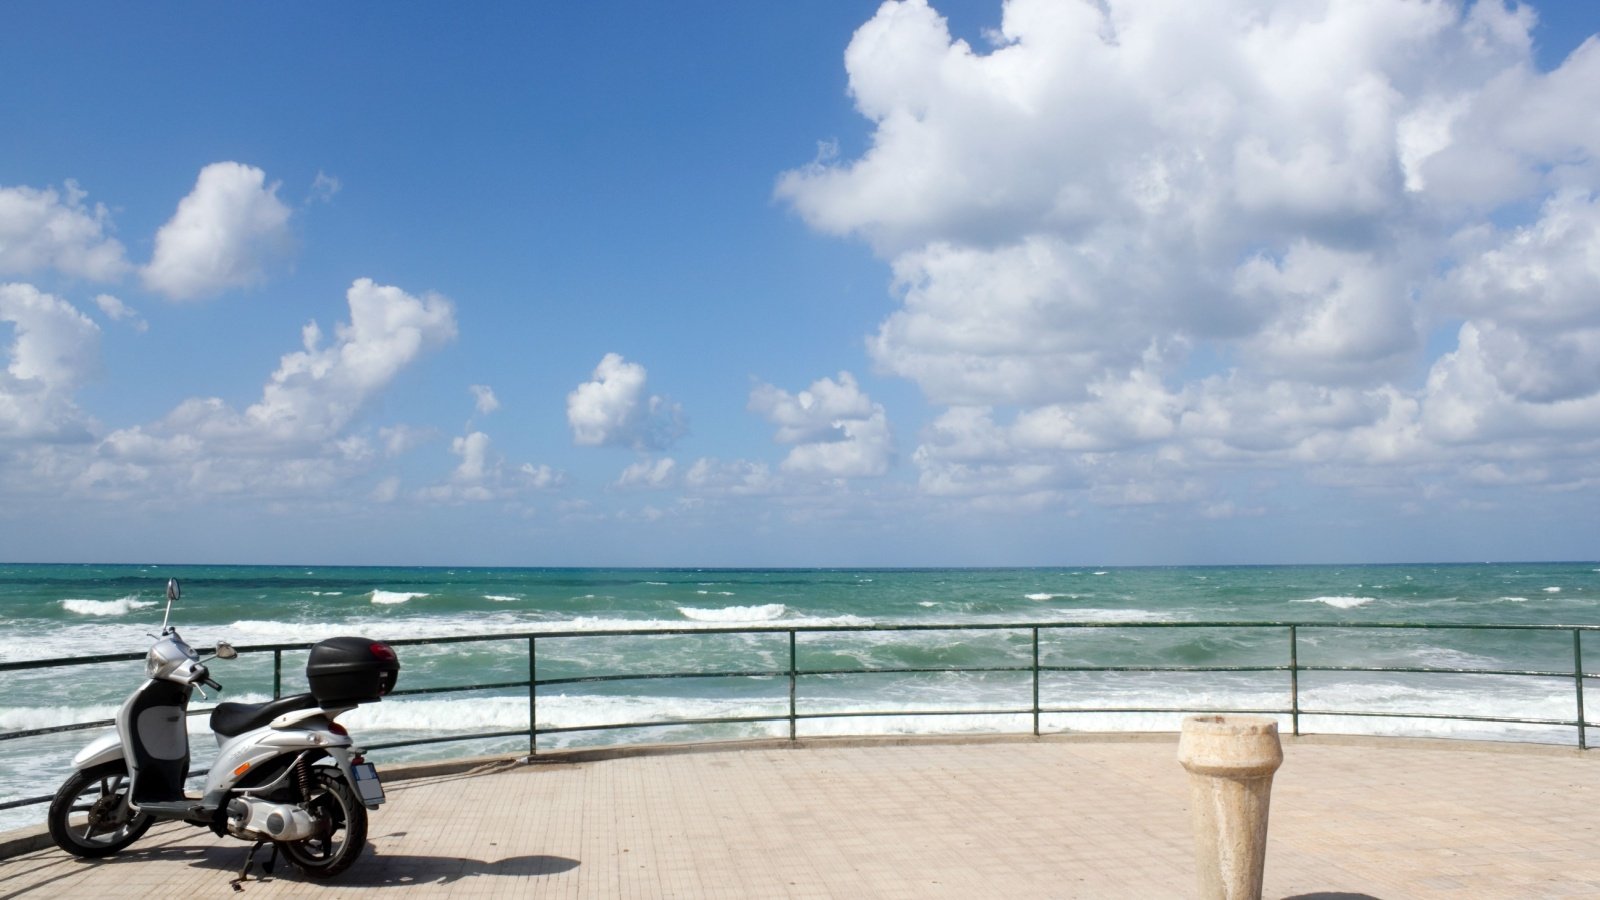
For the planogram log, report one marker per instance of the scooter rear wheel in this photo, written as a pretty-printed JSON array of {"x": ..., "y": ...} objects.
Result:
[
  {"x": 343, "y": 820},
  {"x": 89, "y": 816}
]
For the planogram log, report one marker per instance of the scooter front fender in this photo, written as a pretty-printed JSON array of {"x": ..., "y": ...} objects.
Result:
[{"x": 103, "y": 749}]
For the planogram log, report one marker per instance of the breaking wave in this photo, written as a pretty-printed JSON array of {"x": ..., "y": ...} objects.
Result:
[{"x": 119, "y": 607}]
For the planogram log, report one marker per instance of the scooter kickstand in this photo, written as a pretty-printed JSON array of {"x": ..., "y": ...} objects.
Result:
[{"x": 244, "y": 871}]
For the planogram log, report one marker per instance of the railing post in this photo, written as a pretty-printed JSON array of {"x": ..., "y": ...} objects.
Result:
[
  {"x": 792, "y": 679},
  {"x": 1035, "y": 681},
  {"x": 1294, "y": 681},
  {"x": 533, "y": 699},
  {"x": 277, "y": 674},
  {"x": 1577, "y": 679}
]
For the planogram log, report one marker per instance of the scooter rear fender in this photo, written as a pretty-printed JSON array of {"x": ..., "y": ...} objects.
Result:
[{"x": 103, "y": 749}]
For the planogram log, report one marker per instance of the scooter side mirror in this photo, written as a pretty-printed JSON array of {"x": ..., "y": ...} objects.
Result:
[
  {"x": 173, "y": 593},
  {"x": 225, "y": 650}
]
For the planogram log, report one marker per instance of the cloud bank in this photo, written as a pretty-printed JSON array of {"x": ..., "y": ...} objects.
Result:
[{"x": 1132, "y": 242}]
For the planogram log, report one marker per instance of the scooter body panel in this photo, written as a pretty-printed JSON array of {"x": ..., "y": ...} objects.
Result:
[{"x": 103, "y": 749}]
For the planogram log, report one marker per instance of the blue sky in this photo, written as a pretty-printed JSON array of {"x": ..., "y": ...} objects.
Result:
[{"x": 814, "y": 284}]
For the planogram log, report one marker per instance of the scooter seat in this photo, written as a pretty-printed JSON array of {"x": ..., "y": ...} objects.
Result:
[{"x": 231, "y": 719}]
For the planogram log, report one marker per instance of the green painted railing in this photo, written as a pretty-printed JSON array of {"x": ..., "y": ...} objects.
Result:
[{"x": 795, "y": 674}]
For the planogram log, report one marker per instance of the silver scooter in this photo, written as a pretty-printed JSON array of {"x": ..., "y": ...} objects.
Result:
[{"x": 286, "y": 772}]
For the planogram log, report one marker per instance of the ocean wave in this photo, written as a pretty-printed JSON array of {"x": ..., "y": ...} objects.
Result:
[
  {"x": 764, "y": 613},
  {"x": 1552, "y": 590},
  {"x": 1338, "y": 602},
  {"x": 392, "y": 597},
  {"x": 1513, "y": 599},
  {"x": 718, "y": 593},
  {"x": 119, "y": 607},
  {"x": 501, "y": 598}
]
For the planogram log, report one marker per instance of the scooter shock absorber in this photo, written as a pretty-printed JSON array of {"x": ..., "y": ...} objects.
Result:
[{"x": 302, "y": 776}]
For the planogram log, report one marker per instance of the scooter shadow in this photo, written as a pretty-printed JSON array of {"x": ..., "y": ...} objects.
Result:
[{"x": 376, "y": 869}]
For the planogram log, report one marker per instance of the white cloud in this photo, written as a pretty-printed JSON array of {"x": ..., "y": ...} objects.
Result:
[
  {"x": 44, "y": 229},
  {"x": 323, "y": 188},
  {"x": 837, "y": 430},
  {"x": 541, "y": 477},
  {"x": 646, "y": 473},
  {"x": 224, "y": 234},
  {"x": 117, "y": 311},
  {"x": 54, "y": 350},
  {"x": 483, "y": 399},
  {"x": 614, "y": 408},
  {"x": 298, "y": 437},
  {"x": 738, "y": 478},
  {"x": 1151, "y": 241}
]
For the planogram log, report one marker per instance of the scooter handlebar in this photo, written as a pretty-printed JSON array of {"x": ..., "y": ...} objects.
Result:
[{"x": 202, "y": 676}]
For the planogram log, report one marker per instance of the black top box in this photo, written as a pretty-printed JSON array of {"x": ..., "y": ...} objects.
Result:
[{"x": 347, "y": 670}]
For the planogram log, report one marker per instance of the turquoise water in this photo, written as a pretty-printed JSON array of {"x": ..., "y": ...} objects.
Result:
[{"x": 56, "y": 611}]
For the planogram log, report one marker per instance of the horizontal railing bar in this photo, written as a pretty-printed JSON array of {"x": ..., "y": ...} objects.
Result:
[
  {"x": 1454, "y": 718},
  {"x": 15, "y": 665},
  {"x": 656, "y": 676},
  {"x": 471, "y": 687},
  {"x": 1164, "y": 709},
  {"x": 1263, "y": 668},
  {"x": 662, "y": 723},
  {"x": 520, "y": 732},
  {"x": 26, "y": 801},
  {"x": 921, "y": 670},
  {"x": 20, "y": 664},
  {"x": 55, "y": 729},
  {"x": 870, "y": 714},
  {"x": 1423, "y": 670}
]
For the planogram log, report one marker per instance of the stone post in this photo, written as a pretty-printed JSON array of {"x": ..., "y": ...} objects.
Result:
[{"x": 1230, "y": 761}]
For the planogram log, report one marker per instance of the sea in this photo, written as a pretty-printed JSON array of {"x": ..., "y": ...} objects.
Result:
[{"x": 1135, "y": 619}]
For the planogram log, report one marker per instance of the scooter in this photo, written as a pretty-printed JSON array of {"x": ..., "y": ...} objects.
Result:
[{"x": 286, "y": 773}]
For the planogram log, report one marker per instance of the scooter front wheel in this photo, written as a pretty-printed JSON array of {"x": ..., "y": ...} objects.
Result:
[
  {"x": 342, "y": 828},
  {"x": 89, "y": 815}
]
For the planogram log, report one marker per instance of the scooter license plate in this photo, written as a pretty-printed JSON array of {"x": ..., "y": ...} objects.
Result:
[{"x": 367, "y": 783}]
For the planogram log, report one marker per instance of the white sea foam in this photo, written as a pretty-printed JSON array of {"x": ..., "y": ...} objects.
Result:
[
  {"x": 1102, "y": 573},
  {"x": 392, "y": 597},
  {"x": 1515, "y": 599},
  {"x": 765, "y": 613},
  {"x": 928, "y": 603},
  {"x": 119, "y": 607},
  {"x": 1338, "y": 602},
  {"x": 1552, "y": 590},
  {"x": 328, "y": 593},
  {"x": 501, "y": 598},
  {"x": 718, "y": 593}
]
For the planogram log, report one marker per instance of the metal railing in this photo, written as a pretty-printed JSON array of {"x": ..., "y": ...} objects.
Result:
[{"x": 795, "y": 674}]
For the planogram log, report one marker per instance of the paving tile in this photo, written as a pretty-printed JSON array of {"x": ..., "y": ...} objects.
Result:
[{"x": 1051, "y": 817}]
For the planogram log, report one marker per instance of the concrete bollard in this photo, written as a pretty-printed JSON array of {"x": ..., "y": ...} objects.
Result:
[{"x": 1230, "y": 761}]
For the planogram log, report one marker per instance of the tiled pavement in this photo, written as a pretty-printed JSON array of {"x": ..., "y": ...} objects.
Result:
[{"x": 1053, "y": 817}]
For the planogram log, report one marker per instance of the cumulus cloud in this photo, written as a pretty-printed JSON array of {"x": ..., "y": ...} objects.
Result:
[
  {"x": 615, "y": 408},
  {"x": 483, "y": 399},
  {"x": 55, "y": 348},
  {"x": 46, "y": 229},
  {"x": 224, "y": 235},
  {"x": 1133, "y": 240},
  {"x": 299, "y": 435},
  {"x": 648, "y": 473},
  {"x": 837, "y": 430},
  {"x": 117, "y": 311}
]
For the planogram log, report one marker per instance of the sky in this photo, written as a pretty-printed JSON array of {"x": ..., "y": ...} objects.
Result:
[{"x": 943, "y": 283}]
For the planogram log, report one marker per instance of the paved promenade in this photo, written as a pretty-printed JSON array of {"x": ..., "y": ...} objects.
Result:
[{"x": 1053, "y": 817}]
